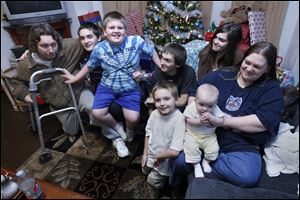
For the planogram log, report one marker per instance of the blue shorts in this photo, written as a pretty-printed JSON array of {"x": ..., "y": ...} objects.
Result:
[{"x": 105, "y": 96}]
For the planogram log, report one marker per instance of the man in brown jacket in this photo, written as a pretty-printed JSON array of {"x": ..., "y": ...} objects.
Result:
[{"x": 48, "y": 50}]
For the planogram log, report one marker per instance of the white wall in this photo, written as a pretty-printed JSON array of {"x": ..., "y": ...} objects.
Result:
[
  {"x": 217, "y": 7},
  {"x": 6, "y": 44},
  {"x": 289, "y": 40}
]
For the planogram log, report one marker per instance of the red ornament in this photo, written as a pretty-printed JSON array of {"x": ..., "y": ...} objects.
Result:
[{"x": 208, "y": 36}]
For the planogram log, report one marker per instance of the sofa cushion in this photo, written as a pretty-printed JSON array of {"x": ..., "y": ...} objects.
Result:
[
  {"x": 283, "y": 186},
  {"x": 205, "y": 188}
]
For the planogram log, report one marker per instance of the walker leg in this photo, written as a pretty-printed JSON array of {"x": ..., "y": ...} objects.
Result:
[{"x": 32, "y": 126}]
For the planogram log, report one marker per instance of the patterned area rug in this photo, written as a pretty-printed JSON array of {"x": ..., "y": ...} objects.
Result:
[{"x": 96, "y": 172}]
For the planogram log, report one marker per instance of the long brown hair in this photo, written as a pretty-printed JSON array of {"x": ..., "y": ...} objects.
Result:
[
  {"x": 227, "y": 56},
  {"x": 269, "y": 52}
]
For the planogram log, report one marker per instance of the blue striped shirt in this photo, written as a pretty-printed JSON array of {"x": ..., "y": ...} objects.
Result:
[{"x": 119, "y": 62}]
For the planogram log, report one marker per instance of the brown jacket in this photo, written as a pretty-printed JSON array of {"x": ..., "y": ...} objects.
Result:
[
  {"x": 205, "y": 66},
  {"x": 54, "y": 92}
]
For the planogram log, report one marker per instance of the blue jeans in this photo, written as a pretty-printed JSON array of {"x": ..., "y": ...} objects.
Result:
[{"x": 239, "y": 168}]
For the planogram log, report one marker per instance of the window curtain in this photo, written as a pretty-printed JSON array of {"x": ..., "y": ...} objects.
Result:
[{"x": 275, "y": 14}]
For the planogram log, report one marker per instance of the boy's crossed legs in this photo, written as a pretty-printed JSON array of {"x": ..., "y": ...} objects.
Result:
[{"x": 130, "y": 103}]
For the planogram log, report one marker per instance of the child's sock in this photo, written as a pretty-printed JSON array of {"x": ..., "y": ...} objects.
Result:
[
  {"x": 130, "y": 134},
  {"x": 198, "y": 170},
  {"x": 206, "y": 166},
  {"x": 120, "y": 129}
]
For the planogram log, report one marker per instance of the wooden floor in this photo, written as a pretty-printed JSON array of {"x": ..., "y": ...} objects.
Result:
[{"x": 17, "y": 142}]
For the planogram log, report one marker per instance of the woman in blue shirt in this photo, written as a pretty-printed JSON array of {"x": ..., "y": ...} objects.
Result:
[{"x": 252, "y": 100}]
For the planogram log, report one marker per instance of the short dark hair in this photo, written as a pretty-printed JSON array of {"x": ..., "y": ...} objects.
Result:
[
  {"x": 178, "y": 52},
  {"x": 92, "y": 26},
  {"x": 36, "y": 31},
  {"x": 113, "y": 15}
]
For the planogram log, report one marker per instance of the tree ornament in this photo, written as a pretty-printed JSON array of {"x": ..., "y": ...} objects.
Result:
[
  {"x": 197, "y": 24},
  {"x": 191, "y": 6},
  {"x": 178, "y": 21},
  {"x": 157, "y": 18}
]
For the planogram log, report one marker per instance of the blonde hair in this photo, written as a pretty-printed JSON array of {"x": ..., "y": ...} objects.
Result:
[
  {"x": 168, "y": 85},
  {"x": 208, "y": 91},
  {"x": 113, "y": 15}
]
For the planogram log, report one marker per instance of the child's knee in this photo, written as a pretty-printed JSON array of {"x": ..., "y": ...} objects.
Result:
[
  {"x": 211, "y": 156},
  {"x": 98, "y": 113},
  {"x": 134, "y": 119}
]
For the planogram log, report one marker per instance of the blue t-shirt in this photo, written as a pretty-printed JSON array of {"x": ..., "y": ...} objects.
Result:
[
  {"x": 119, "y": 62},
  {"x": 265, "y": 100}
]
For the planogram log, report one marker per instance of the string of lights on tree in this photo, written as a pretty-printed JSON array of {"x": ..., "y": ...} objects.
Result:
[{"x": 173, "y": 21}]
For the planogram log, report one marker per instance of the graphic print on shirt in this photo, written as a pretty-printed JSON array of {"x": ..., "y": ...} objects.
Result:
[
  {"x": 121, "y": 60},
  {"x": 233, "y": 103}
]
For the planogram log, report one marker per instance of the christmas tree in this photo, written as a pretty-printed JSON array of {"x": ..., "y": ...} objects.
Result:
[{"x": 173, "y": 21}]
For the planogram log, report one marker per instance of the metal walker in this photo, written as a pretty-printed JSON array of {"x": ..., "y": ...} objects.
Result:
[{"x": 46, "y": 153}]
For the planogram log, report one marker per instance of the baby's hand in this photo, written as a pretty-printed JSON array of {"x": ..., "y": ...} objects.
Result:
[
  {"x": 215, "y": 121},
  {"x": 204, "y": 120}
]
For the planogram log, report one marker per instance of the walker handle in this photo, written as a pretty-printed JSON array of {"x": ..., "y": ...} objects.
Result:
[{"x": 33, "y": 85}]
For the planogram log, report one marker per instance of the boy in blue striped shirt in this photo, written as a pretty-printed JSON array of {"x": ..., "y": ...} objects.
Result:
[{"x": 119, "y": 57}]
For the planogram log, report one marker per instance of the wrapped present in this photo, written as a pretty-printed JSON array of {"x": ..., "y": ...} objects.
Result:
[
  {"x": 94, "y": 17},
  {"x": 193, "y": 49},
  {"x": 283, "y": 75},
  {"x": 245, "y": 42},
  {"x": 257, "y": 26},
  {"x": 135, "y": 23},
  {"x": 208, "y": 35}
]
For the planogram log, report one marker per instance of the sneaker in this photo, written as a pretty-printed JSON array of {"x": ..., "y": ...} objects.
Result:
[{"x": 122, "y": 150}]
